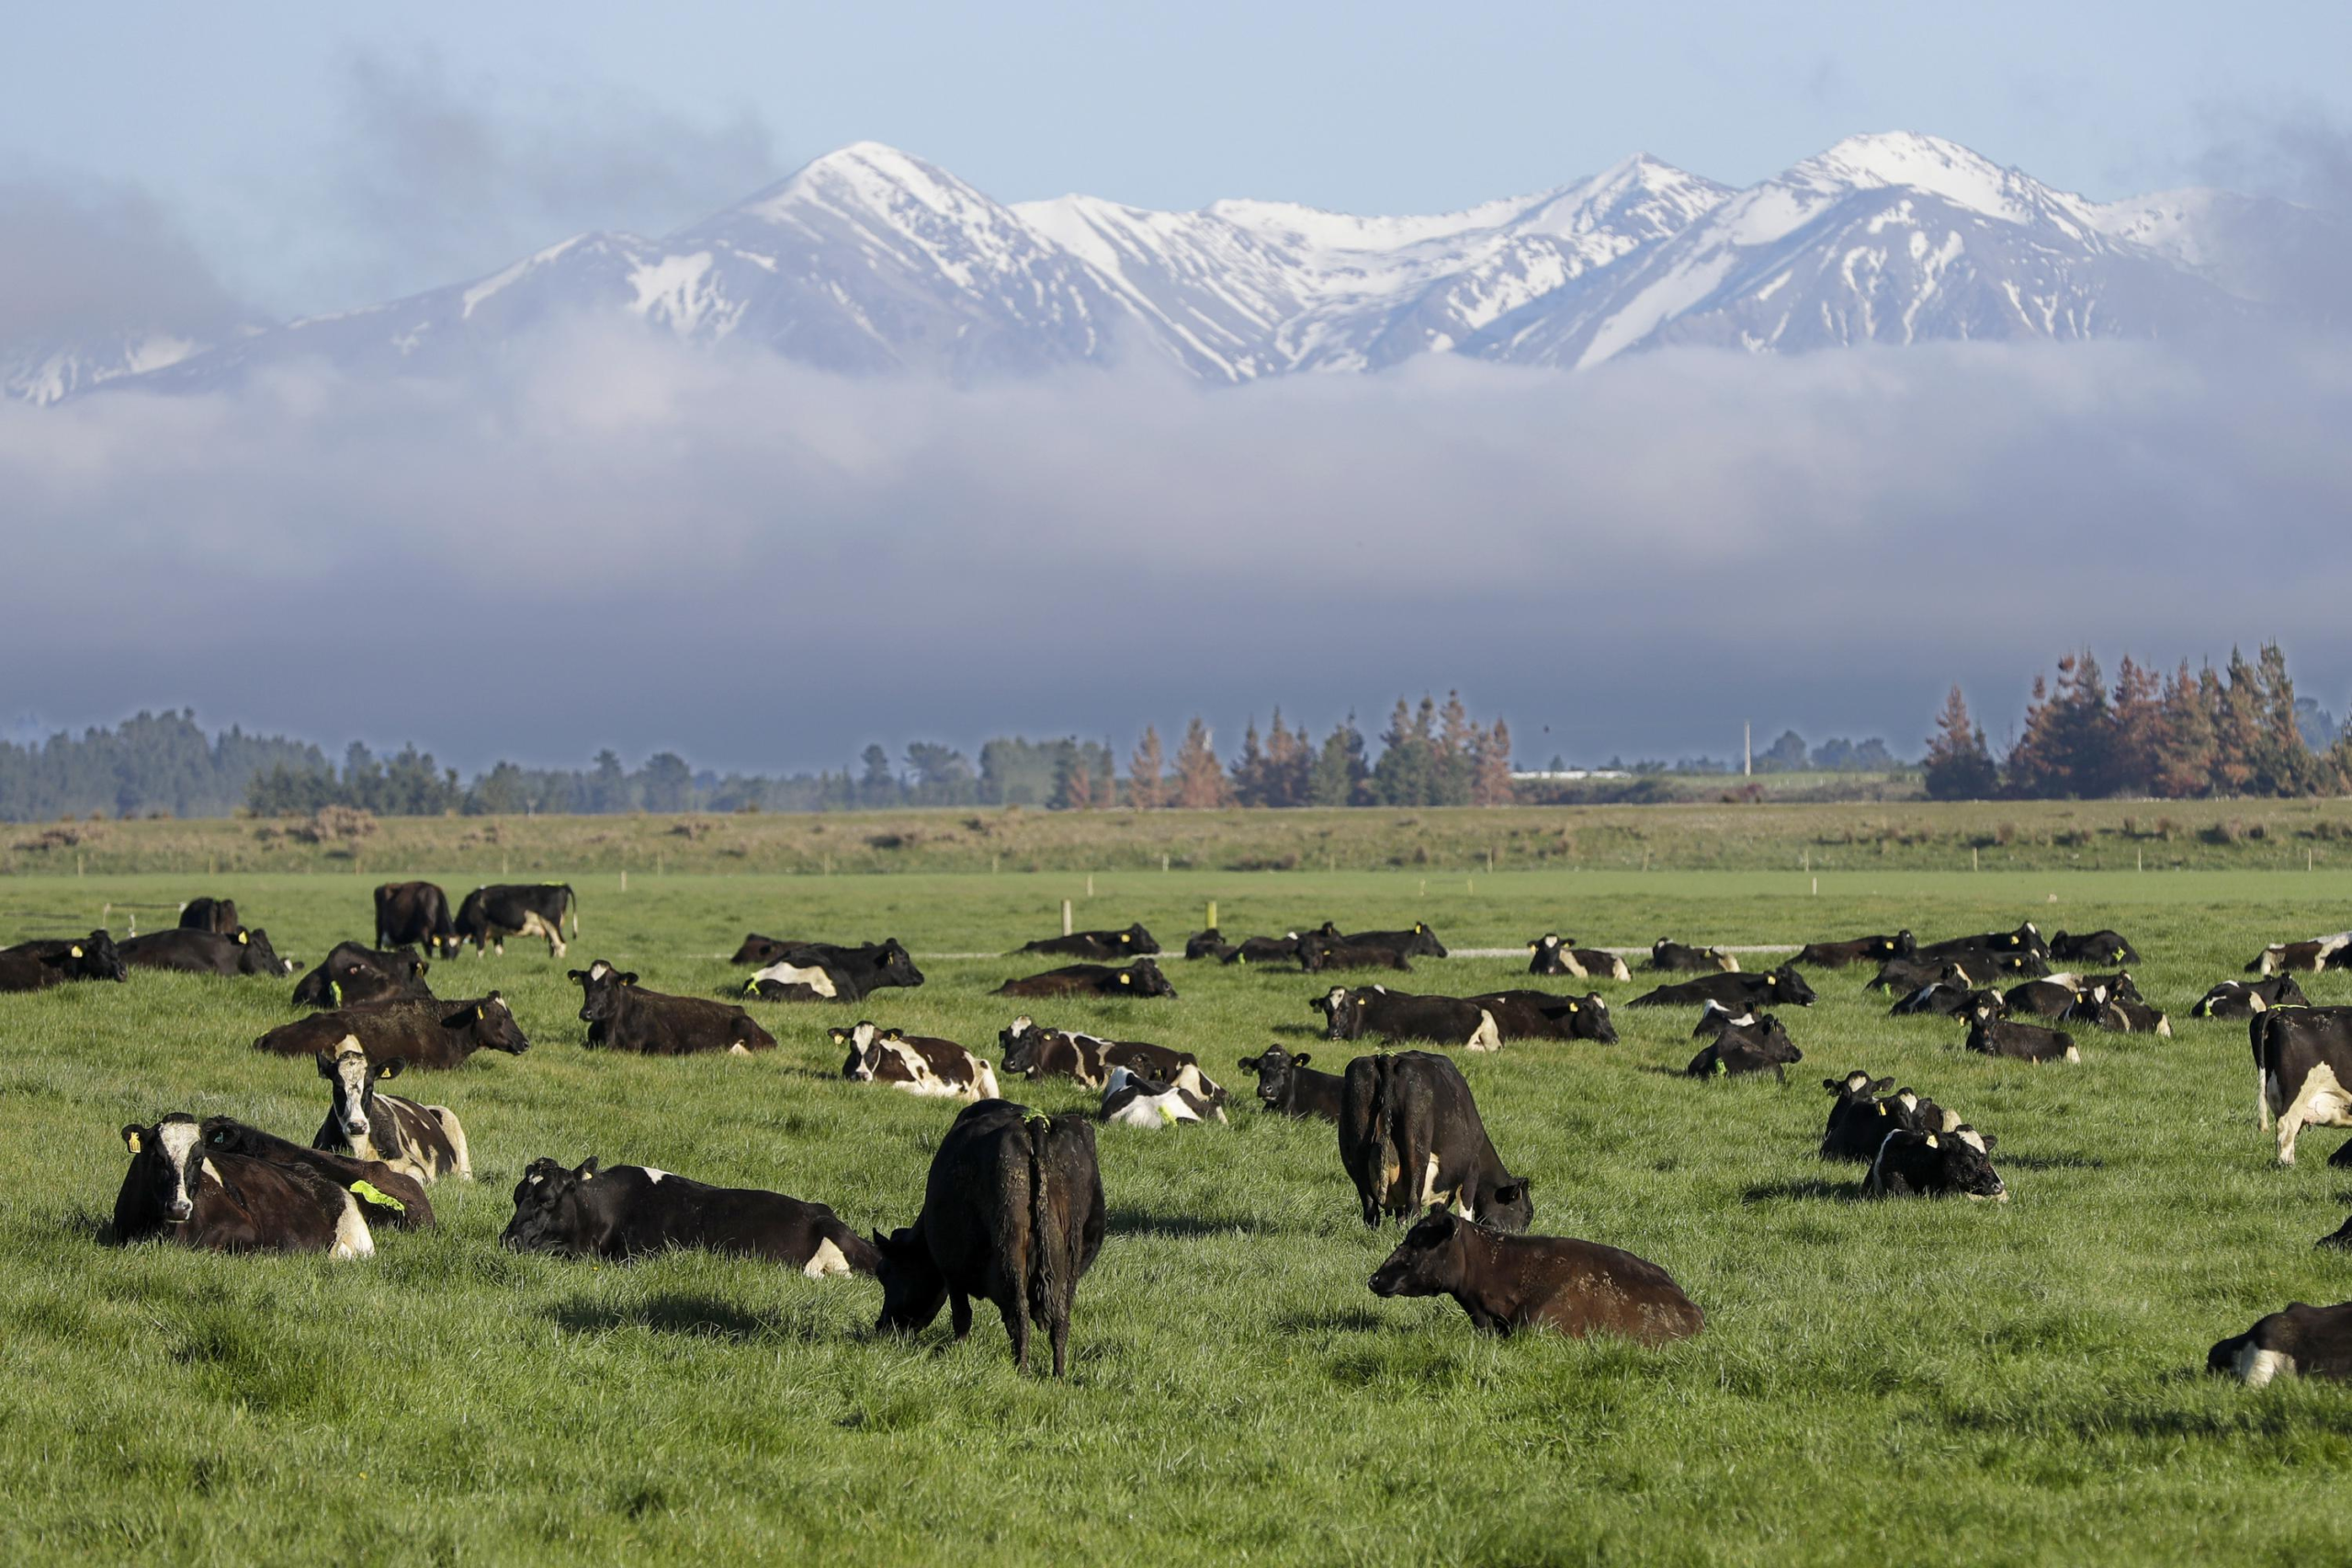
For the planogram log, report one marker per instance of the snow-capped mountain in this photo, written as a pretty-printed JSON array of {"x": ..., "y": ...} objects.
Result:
[{"x": 868, "y": 260}]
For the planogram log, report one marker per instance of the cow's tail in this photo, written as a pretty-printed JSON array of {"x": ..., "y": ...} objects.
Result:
[
  {"x": 571, "y": 901},
  {"x": 1044, "y": 1283},
  {"x": 1384, "y": 1145}
]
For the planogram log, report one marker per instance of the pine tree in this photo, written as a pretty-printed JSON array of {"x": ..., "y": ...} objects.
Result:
[
  {"x": 1200, "y": 778},
  {"x": 2138, "y": 728},
  {"x": 1146, "y": 790},
  {"x": 2186, "y": 746},
  {"x": 1250, "y": 770},
  {"x": 1341, "y": 776},
  {"x": 1959, "y": 767},
  {"x": 1289, "y": 759},
  {"x": 2067, "y": 747},
  {"x": 1490, "y": 780},
  {"x": 2237, "y": 726},
  {"x": 2283, "y": 762}
]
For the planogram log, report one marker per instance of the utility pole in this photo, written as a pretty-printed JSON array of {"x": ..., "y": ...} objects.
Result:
[{"x": 1747, "y": 750}]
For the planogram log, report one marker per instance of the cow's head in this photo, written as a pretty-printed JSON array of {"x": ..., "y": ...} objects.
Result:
[
  {"x": 1344, "y": 1009},
  {"x": 914, "y": 1289},
  {"x": 94, "y": 957},
  {"x": 1965, "y": 1165},
  {"x": 1424, "y": 940},
  {"x": 600, "y": 991},
  {"x": 488, "y": 1024},
  {"x": 1137, "y": 941},
  {"x": 1769, "y": 1039},
  {"x": 1857, "y": 1087},
  {"x": 1143, "y": 979},
  {"x": 547, "y": 1207},
  {"x": 1277, "y": 1071},
  {"x": 256, "y": 956},
  {"x": 761, "y": 950},
  {"x": 1589, "y": 1019},
  {"x": 1546, "y": 954},
  {"x": 897, "y": 965},
  {"x": 865, "y": 1043},
  {"x": 1785, "y": 986},
  {"x": 1019, "y": 1041},
  {"x": 1430, "y": 1261},
  {"x": 1505, "y": 1205},
  {"x": 167, "y": 1161},
  {"x": 1901, "y": 945},
  {"x": 1205, "y": 943},
  {"x": 354, "y": 1079}
]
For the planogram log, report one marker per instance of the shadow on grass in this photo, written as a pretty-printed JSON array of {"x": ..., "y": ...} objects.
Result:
[
  {"x": 1142, "y": 1222},
  {"x": 1812, "y": 1187},
  {"x": 2047, "y": 1162},
  {"x": 1337, "y": 1320},
  {"x": 705, "y": 1316}
]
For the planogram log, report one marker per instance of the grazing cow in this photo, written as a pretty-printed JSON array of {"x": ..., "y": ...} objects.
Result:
[
  {"x": 1675, "y": 958},
  {"x": 827, "y": 972},
  {"x": 1509, "y": 1282},
  {"x": 1554, "y": 954},
  {"x": 218, "y": 916},
  {"x": 1379, "y": 1013},
  {"x": 1037, "y": 1053},
  {"x": 2103, "y": 1009},
  {"x": 1210, "y": 944},
  {"x": 1778, "y": 987},
  {"x": 2303, "y": 1063},
  {"x": 1265, "y": 949},
  {"x": 2320, "y": 952},
  {"x": 1141, "y": 978},
  {"x": 2024, "y": 940},
  {"x": 247, "y": 951},
  {"x": 37, "y": 965},
  {"x": 1934, "y": 1164},
  {"x": 353, "y": 975},
  {"x": 1012, "y": 1212},
  {"x": 423, "y": 1141},
  {"x": 915, "y": 1062},
  {"x": 1859, "y": 1119},
  {"x": 425, "y": 1034},
  {"x": 623, "y": 1018},
  {"x": 491, "y": 914},
  {"x": 386, "y": 1196},
  {"x": 1948, "y": 997},
  {"x": 2303, "y": 1341},
  {"x": 2092, "y": 947},
  {"x": 1410, "y": 1136},
  {"x": 415, "y": 912},
  {"x": 1760, "y": 1047},
  {"x": 1286, "y": 1085},
  {"x": 1129, "y": 1100},
  {"x": 2242, "y": 999},
  {"x": 177, "y": 1190},
  {"x": 1317, "y": 953},
  {"x": 1990, "y": 1034},
  {"x": 1860, "y": 950},
  {"x": 1133, "y": 943},
  {"x": 1540, "y": 1015},
  {"x": 634, "y": 1211}
]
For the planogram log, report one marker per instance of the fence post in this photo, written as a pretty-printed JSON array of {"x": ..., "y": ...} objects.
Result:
[
  {"x": 1065, "y": 925},
  {"x": 1090, "y": 885},
  {"x": 1211, "y": 913}
]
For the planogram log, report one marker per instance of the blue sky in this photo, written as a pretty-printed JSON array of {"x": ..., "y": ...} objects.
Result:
[{"x": 272, "y": 131}]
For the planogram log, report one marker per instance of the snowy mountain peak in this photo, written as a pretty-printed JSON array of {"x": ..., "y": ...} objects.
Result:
[
  {"x": 1942, "y": 168},
  {"x": 868, "y": 175}
]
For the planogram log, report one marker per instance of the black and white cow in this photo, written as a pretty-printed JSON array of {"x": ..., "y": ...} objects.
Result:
[
  {"x": 1012, "y": 1212},
  {"x": 2320, "y": 952},
  {"x": 1678, "y": 958},
  {"x": 1858, "y": 950},
  {"x": 634, "y": 1211},
  {"x": 1118, "y": 946},
  {"x": 1552, "y": 953},
  {"x": 37, "y": 965},
  {"x": 1287, "y": 1085},
  {"x": 418, "y": 913},
  {"x": 623, "y": 1018},
  {"x": 218, "y": 916},
  {"x": 425, "y": 1034},
  {"x": 387, "y": 1197},
  {"x": 916, "y": 1064},
  {"x": 2303, "y": 1063},
  {"x": 1509, "y": 1282},
  {"x": 1410, "y": 1135},
  {"x": 2243, "y": 999},
  {"x": 826, "y": 972},
  {"x": 1130, "y": 1101},
  {"x": 354, "y": 976},
  {"x": 1540, "y": 1015},
  {"x": 2025, "y": 940},
  {"x": 2103, "y": 1007},
  {"x": 176, "y": 1190},
  {"x": 1990, "y": 1034},
  {"x": 2092, "y": 947},
  {"x": 204, "y": 953},
  {"x": 1038, "y": 1053},
  {"x": 1934, "y": 1164},
  {"x": 1860, "y": 1117},
  {"x": 1378, "y": 1013},
  {"x": 1949, "y": 996},
  {"x": 491, "y": 914},
  {"x": 421, "y": 1141},
  {"x": 1778, "y": 988},
  {"x": 2303, "y": 1341},
  {"x": 1141, "y": 978}
]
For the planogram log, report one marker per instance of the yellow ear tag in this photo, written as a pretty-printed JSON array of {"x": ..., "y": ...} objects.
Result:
[
  {"x": 1931, "y": 1142},
  {"x": 367, "y": 1192},
  {"x": 241, "y": 939},
  {"x": 1126, "y": 979},
  {"x": 1882, "y": 1111},
  {"x": 1168, "y": 1114},
  {"x": 477, "y": 1012},
  {"x": 77, "y": 953},
  {"x": 1573, "y": 1007},
  {"x": 133, "y": 1141}
]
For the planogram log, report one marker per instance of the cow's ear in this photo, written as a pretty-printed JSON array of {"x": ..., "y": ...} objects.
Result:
[
  {"x": 840, "y": 1036},
  {"x": 1989, "y": 1140},
  {"x": 1302, "y": 1058},
  {"x": 587, "y": 1170},
  {"x": 629, "y": 979},
  {"x": 134, "y": 1137},
  {"x": 577, "y": 973},
  {"x": 390, "y": 1068},
  {"x": 326, "y": 1065},
  {"x": 1249, "y": 1065}
]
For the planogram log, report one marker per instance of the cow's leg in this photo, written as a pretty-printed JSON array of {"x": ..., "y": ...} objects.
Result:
[
  {"x": 457, "y": 1136},
  {"x": 959, "y": 1312},
  {"x": 2262, "y": 1098},
  {"x": 1415, "y": 1175},
  {"x": 1014, "y": 1303}
]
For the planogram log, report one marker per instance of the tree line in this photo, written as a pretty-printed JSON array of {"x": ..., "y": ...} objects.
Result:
[{"x": 2239, "y": 730}]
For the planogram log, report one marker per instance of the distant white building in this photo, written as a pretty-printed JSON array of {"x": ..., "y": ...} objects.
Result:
[{"x": 1570, "y": 776}]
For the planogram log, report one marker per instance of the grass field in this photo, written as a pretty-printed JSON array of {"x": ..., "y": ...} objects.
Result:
[{"x": 1878, "y": 1382}]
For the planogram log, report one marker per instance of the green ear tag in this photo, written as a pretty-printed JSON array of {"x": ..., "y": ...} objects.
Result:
[{"x": 368, "y": 1192}]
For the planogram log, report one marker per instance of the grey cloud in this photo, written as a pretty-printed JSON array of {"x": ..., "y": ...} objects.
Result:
[{"x": 85, "y": 259}]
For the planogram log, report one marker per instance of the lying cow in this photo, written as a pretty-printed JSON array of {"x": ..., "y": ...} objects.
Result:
[
  {"x": 2103, "y": 1009},
  {"x": 2302, "y": 1062},
  {"x": 1141, "y": 978},
  {"x": 421, "y": 1141},
  {"x": 387, "y": 1197},
  {"x": 1760, "y": 1047},
  {"x": 634, "y": 1211},
  {"x": 428, "y": 1035},
  {"x": 1129, "y": 1100},
  {"x": 1990, "y": 1034},
  {"x": 1133, "y": 943},
  {"x": 1552, "y": 953},
  {"x": 218, "y": 916},
  {"x": 204, "y": 953},
  {"x": 1509, "y": 1282},
  {"x": 1287, "y": 1085},
  {"x": 176, "y": 1190},
  {"x": 37, "y": 965},
  {"x": 2303, "y": 1341},
  {"x": 623, "y": 1018},
  {"x": 1378, "y": 1013},
  {"x": 758, "y": 949},
  {"x": 1012, "y": 1212},
  {"x": 1904, "y": 975},
  {"x": 1037, "y": 1053},
  {"x": 1418, "y": 943},
  {"x": 914, "y": 1064},
  {"x": 2092, "y": 947},
  {"x": 1864, "y": 1113},
  {"x": 2243, "y": 999},
  {"x": 491, "y": 914},
  {"x": 2025, "y": 940},
  {"x": 2056, "y": 996},
  {"x": 1859, "y": 950},
  {"x": 1317, "y": 954},
  {"x": 1778, "y": 988},
  {"x": 1410, "y": 1136},
  {"x": 824, "y": 972},
  {"x": 1540, "y": 1015},
  {"x": 1209, "y": 943},
  {"x": 1934, "y": 1164},
  {"x": 1674, "y": 957},
  {"x": 2320, "y": 952},
  {"x": 1283, "y": 948},
  {"x": 1949, "y": 996},
  {"x": 415, "y": 912},
  {"x": 353, "y": 975}
]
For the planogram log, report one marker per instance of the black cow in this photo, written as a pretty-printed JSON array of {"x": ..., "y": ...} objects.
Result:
[
  {"x": 1133, "y": 943},
  {"x": 415, "y": 912},
  {"x": 1012, "y": 1212},
  {"x": 387, "y": 1197},
  {"x": 491, "y": 914},
  {"x": 1210, "y": 944},
  {"x": 1778, "y": 987},
  {"x": 1859, "y": 950},
  {"x": 1552, "y": 953},
  {"x": 204, "y": 953},
  {"x": 1288, "y": 1085},
  {"x": 177, "y": 1191},
  {"x": 818, "y": 971},
  {"x": 37, "y": 965},
  {"x": 1141, "y": 978},
  {"x": 1317, "y": 954},
  {"x": 421, "y": 1141},
  {"x": 2243, "y": 999},
  {"x": 218, "y": 916},
  {"x": 2024, "y": 940},
  {"x": 758, "y": 949},
  {"x": 1860, "y": 1118},
  {"x": 1410, "y": 1136},
  {"x": 623, "y": 1018},
  {"x": 1760, "y": 1047},
  {"x": 1934, "y": 1164},
  {"x": 1540, "y": 1015},
  {"x": 1379, "y": 1013},
  {"x": 1418, "y": 943},
  {"x": 1992, "y": 1035},
  {"x": 1509, "y": 1282},
  {"x": 429, "y": 1034},
  {"x": 354, "y": 976},
  {"x": 2303, "y": 1063},
  {"x": 2303, "y": 1341},
  {"x": 2104, "y": 1008},
  {"x": 628, "y": 1212},
  {"x": 2092, "y": 947},
  {"x": 1281, "y": 949},
  {"x": 1677, "y": 958}
]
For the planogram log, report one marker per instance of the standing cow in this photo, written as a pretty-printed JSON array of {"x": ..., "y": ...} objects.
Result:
[
  {"x": 491, "y": 914},
  {"x": 1410, "y": 1135},
  {"x": 418, "y": 912}
]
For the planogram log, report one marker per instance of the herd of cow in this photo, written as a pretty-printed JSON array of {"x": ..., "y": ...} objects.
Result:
[{"x": 1013, "y": 1209}]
